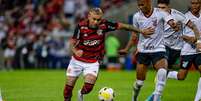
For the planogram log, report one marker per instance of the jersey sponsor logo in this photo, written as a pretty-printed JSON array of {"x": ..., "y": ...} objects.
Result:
[{"x": 91, "y": 42}]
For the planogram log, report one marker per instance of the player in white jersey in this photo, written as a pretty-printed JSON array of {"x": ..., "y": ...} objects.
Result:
[
  {"x": 151, "y": 49},
  {"x": 174, "y": 40},
  {"x": 190, "y": 53}
]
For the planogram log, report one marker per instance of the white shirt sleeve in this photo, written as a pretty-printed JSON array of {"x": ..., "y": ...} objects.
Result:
[
  {"x": 135, "y": 22},
  {"x": 181, "y": 17}
]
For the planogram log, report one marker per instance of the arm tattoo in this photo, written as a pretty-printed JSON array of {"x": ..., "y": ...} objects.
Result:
[
  {"x": 195, "y": 30},
  {"x": 130, "y": 28}
]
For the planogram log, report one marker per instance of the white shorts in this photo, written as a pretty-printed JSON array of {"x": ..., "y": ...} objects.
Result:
[
  {"x": 9, "y": 53},
  {"x": 76, "y": 67}
]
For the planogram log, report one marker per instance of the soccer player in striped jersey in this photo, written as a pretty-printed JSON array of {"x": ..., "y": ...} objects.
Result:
[
  {"x": 151, "y": 49},
  {"x": 190, "y": 52},
  {"x": 87, "y": 45}
]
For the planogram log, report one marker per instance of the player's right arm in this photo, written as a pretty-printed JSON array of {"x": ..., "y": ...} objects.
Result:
[
  {"x": 74, "y": 41},
  {"x": 169, "y": 20},
  {"x": 130, "y": 43}
]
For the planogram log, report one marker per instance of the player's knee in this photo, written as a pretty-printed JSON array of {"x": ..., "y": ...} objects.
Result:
[
  {"x": 181, "y": 78},
  {"x": 87, "y": 88},
  {"x": 162, "y": 71},
  {"x": 138, "y": 84}
]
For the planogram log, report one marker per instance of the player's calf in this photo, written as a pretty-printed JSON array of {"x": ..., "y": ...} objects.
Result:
[
  {"x": 161, "y": 79},
  {"x": 68, "y": 92},
  {"x": 87, "y": 88}
]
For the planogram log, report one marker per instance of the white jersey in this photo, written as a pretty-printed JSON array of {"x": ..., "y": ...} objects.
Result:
[
  {"x": 156, "y": 21},
  {"x": 190, "y": 49},
  {"x": 171, "y": 38}
]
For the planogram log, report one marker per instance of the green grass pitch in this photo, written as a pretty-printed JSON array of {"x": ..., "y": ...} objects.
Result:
[{"x": 47, "y": 85}]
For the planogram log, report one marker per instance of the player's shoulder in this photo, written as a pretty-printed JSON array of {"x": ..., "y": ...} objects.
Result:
[
  {"x": 137, "y": 14},
  {"x": 188, "y": 13},
  {"x": 174, "y": 11},
  {"x": 159, "y": 12},
  {"x": 83, "y": 22}
]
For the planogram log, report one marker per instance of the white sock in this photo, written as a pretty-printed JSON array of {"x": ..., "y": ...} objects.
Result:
[
  {"x": 198, "y": 94},
  {"x": 172, "y": 75},
  {"x": 160, "y": 82},
  {"x": 1, "y": 99},
  {"x": 136, "y": 88}
]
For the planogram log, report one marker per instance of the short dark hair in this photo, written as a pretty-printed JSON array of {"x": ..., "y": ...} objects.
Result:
[{"x": 167, "y": 2}]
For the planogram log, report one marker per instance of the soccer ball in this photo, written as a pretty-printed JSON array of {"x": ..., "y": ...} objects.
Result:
[{"x": 106, "y": 94}]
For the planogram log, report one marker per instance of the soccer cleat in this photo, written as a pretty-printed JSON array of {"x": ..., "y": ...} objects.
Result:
[
  {"x": 134, "y": 97},
  {"x": 80, "y": 96},
  {"x": 152, "y": 97}
]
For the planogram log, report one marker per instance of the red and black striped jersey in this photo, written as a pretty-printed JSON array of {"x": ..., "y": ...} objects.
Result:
[{"x": 91, "y": 40}]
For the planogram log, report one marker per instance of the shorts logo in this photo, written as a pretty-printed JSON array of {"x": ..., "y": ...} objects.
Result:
[{"x": 184, "y": 64}]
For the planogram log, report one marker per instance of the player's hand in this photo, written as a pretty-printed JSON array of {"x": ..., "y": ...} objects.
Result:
[
  {"x": 148, "y": 32},
  {"x": 189, "y": 39},
  {"x": 192, "y": 40},
  {"x": 123, "y": 52},
  {"x": 78, "y": 53},
  {"x": 174, "y": 25},
  {"x": 198, "y": 45}
]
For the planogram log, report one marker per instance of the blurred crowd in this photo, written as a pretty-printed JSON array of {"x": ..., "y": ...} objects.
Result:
[{"x": 35, "y": 33}]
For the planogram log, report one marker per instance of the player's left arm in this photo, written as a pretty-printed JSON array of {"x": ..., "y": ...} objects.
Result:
[
  {"x": 194, "y": 28},
  {"x": 127, "y": 27}
]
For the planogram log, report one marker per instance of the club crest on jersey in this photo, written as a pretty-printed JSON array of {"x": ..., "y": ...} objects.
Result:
[{"x": 100, "y": 32}]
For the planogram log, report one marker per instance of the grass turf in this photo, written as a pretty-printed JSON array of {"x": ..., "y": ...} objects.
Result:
[{"x": 47, "y": 85}]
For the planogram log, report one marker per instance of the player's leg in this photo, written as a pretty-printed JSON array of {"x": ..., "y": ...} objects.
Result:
[
  {"x": 72, "y": 72},
  {"x": 186, "y": 62},
  {"x": 173, "y": 56},
  {"x": 141, "y": 70},
  {"x": 90, "y": 77},
  {"x": 161, "y": 67},
  {"x": 160, "y": 64},
  {"x": 198, "y": 64},
  {"x": 198, "y": 93},
  {"x": 69, "y": 85}
]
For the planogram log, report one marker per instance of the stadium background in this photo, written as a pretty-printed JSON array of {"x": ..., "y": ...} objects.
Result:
[{"x": 40, "y": 41}]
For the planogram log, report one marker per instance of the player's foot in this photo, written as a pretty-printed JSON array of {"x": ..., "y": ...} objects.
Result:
[
  {"x": 134, "y": 98},
  {"x": 67, "y": 99},
  {"x": 80, "y": 96},
  {"x": 153, "y": 97}
]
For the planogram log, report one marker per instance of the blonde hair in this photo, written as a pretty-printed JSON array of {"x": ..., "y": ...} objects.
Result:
[{"x": 97, "y": 11}]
